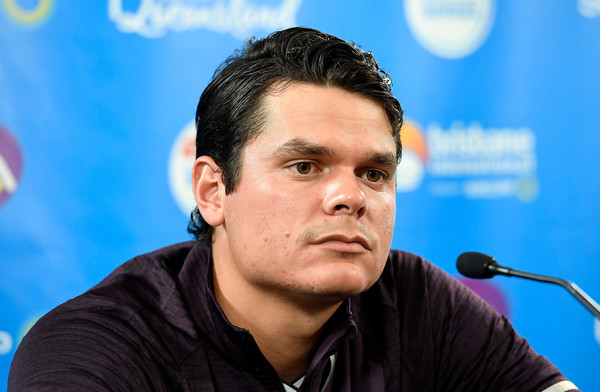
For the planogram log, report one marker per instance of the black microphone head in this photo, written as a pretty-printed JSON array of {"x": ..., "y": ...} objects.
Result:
[{"x": 475, "y": 265}]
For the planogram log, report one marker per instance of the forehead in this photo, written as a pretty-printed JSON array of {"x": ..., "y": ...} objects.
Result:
[
  {"x": 298, "y": 98},
  {"x": 327, "y": 114}
]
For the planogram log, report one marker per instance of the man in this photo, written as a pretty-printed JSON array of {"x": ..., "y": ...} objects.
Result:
[{"x": 292, "y": 284}]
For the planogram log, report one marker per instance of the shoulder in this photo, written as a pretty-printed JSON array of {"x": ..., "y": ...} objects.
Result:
[
  {"x": 127, "y": 332},
  {"x": 410, "y": 278},
  {"x": 446, "y": 327},
  {"x": 428, "y": 296},
  {"x": 144, "y": 281},
  {"x": 406, "y": 265}
]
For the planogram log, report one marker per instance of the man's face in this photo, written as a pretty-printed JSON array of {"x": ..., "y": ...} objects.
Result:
[{"x": 312, "y": 215}]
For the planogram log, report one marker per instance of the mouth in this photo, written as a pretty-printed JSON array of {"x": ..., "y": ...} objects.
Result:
[{"x": 346, "y": 244}]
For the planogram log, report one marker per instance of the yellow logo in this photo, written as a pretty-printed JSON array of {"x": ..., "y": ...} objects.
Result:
[{"x": 30, "y": 17}]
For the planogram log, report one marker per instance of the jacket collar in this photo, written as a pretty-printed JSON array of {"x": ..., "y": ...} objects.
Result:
[{"x": 234, "y": 343}]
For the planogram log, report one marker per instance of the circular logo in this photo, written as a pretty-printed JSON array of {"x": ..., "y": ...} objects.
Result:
[
  {"x": 6, "y": 342},
  {"x": 589, "y": 8},
  {"x": 450, "y": 29},
  {"x": 414, "y": 157},
  {"x": 11, "y": 165},
  {"x": 181, "y": 161},
  {"x": 33, "y": 16}
]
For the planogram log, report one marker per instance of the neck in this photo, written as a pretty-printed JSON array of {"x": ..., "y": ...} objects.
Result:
[{"x": 286, "y": 332}]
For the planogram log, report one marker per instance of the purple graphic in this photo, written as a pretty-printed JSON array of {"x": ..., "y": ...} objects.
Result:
[
  {"x": 490, "y": 293},
  {"x": 11, "y": 164}
]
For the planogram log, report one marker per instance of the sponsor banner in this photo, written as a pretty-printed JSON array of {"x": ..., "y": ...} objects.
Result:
[
  {"x": 469, "y": 161},
  {"x": 500, "y": 146}
]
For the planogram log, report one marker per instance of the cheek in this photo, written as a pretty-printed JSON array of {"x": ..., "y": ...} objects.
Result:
[
  {"x": 264, "y": 218},
  {"x": 383, "y": 224},
  {"x": 386, "y": 216}
]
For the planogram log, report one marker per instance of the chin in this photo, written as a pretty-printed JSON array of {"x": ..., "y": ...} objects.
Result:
[
  {"x": 343, "y": 286},
  {"x": 329, "y": 284}
]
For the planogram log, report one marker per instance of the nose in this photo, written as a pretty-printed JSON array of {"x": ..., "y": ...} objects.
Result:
[{"x": 344, "y": 195}]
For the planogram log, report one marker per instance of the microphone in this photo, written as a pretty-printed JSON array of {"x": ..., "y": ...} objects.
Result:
[{"x": 481, "y": 266}]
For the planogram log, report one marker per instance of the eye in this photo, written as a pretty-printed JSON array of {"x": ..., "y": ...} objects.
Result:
[
  {"x": 373, "y": 175},
  {"x": 303, "y": 167}
]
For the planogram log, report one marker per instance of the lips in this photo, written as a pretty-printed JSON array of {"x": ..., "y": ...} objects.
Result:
[{"x": 345, "y": 243}]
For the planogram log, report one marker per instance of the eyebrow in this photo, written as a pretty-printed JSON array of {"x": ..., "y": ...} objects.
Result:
[
  {"x": 304, "y": 147},
  {"x": 386, "y": 160}
]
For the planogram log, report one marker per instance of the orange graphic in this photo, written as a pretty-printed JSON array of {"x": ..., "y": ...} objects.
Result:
[{"x": 412, "y": 138}]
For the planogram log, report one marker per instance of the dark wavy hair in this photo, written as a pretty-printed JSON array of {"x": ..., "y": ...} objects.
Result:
[{"x": 230, "y": 114}]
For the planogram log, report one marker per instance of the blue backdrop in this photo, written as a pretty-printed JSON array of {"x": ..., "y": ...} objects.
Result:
[{"x": 501, "y": 144}]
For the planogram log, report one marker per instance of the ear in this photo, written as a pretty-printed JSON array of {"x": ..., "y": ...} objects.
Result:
[{"x": 209, "y": 190}]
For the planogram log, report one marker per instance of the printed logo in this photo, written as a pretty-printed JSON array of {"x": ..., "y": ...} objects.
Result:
[
  {"x": 181, "y": 160},
  {"x": 154, "y": 18},
  {"x": 470, "y": 161},
  {"x": 490, "y": 293},
  {"x": 6, "y": 343},
  {"x": 414, "y": 157},
  {"x": 11, "y": 165},
  {"x": 589, "y": 8},
  {"x": 33, "y": 16},
  {"x": 450, "y": 29}
]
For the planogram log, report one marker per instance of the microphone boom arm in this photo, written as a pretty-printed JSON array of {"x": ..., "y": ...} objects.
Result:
[{"x": 585, "y": 299}]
